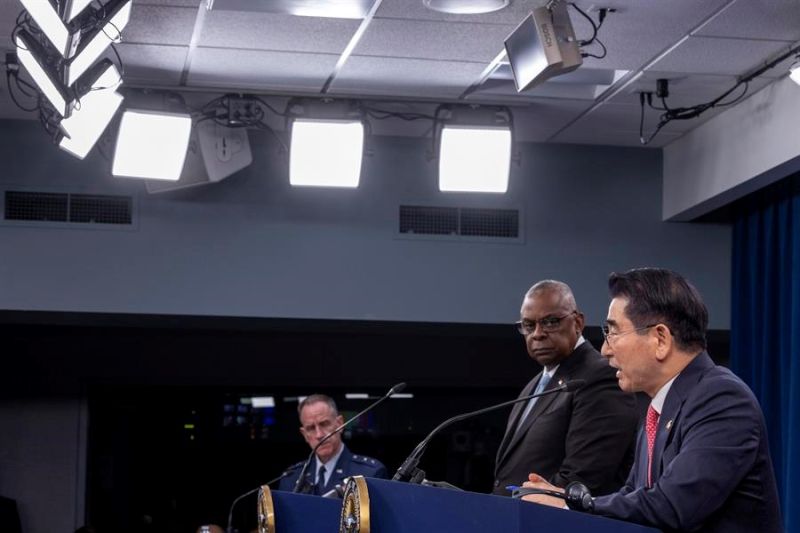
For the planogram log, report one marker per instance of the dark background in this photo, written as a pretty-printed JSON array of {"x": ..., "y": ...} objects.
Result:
[{"x": 171, "y": 443}]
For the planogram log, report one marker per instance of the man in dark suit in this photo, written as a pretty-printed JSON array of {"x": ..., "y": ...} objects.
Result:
[
  {"x": 586, "y": 435},
  {"x": 702, "y": 459},
  {"x": 333, "y": 461}
]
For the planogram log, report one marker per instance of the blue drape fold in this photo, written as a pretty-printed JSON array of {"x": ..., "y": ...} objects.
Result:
[{"x": 765, "y": 323}]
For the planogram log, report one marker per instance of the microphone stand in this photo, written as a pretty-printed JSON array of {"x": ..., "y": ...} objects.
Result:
[
  {"x": 301, "y": 485},
  {"x": 409, "y": 472}
]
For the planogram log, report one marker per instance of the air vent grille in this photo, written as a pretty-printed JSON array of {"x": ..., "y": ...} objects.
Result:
[
  {"x": 459, "y": 221},
  {"x": 37, "y": 206},
  {"x": 428, "y": 220},
  {"x": 490, "y": 222},
  {"x": 65, "y": 207}
]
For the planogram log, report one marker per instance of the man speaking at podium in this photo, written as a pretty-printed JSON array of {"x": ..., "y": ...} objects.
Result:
[
  {"x": 333, "y": 461},
  {"x": 702, "y": 459},
  {"x": 586, "y": 435}
]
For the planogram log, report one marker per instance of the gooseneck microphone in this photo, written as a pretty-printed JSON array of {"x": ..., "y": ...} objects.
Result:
[
  {"x": 408, "y": 471},
  {"x": 301, "y": 484},
  {"x": 576, "y": 495},
  {"x": 229, "y": 529}
]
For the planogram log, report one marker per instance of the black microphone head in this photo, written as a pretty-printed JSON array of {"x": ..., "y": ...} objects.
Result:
[
  {"x": 574, "y": 384},
  {"x": 397, "y": 388}
]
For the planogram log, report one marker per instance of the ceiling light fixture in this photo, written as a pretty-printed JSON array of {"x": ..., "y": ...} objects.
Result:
[
  {"x": 326, "y": 152},
  {"x": 474, "y": 149},
  {"x": 465, "y": 7},
  {"x": 794, "y": 71},
  {"x": 112, "y": 19},
  {"x": 82, "y": 130},
  {"x": 151, "y": 145}
]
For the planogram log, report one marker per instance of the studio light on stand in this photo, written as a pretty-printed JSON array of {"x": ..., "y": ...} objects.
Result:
[{"x": 475, "y": 150}]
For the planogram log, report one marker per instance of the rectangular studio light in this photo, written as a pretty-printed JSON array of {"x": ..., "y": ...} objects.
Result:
[
  {"x": 84, "y": 127},
  {"x": 47, "y": 18},
  {"x": 326, "y": 153},
  {"x": 474, "y": 159},
  {"x": 30, "y": 54},
  {"x": 94, "y": 43},
  {"x": 260, "y": 402},
  {"x": 151, "y": 145}
]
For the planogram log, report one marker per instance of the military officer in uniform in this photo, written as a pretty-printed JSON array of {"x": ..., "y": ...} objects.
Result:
[{"x": 333, "y": 461}]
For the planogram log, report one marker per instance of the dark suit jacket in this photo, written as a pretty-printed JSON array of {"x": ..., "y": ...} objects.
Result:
[
  {"x": 711, "y": 466},
  {"x": 587, "y": 435},
  {"x": 347, "y": 465}
]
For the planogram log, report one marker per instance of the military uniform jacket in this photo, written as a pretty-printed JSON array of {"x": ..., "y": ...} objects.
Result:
[{"x": 348, "y": 465}]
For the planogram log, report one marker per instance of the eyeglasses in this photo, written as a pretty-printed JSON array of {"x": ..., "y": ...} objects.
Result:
[
  {"x": 548, "y": 323},
  {"x": 611, "y": 335}
]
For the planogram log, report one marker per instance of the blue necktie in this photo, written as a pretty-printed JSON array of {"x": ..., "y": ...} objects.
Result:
[
  {"x": 543, "y": 381},
  {"x": 320, "y": 479}
]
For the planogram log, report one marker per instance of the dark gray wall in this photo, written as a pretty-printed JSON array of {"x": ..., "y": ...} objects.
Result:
[{"x": 254, "y": 246}]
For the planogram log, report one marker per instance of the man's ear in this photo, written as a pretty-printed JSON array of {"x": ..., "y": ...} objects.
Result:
[
  {"x": 339, "y": 420},
  {"x": 664, "y": 341},
  {"x": 580, "y": 320}
]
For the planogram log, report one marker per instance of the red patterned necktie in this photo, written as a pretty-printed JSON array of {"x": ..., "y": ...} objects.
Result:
[{"x": 651, "y": 426}]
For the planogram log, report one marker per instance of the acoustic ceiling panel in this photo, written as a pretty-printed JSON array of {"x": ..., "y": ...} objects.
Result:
[
  {"x": 257, "y": 69},
  {"x": 756, "y": 19},
  {"x": 714, "y": 55},
  {"x": 405, "y": 77},
  {"x": 612, "y": 138},
  {"x": 269, "y": 31},
  {"x": 160, "y": 25},
  {"x": 433, "y": 40},
  {"x": 159, "y": 65}
]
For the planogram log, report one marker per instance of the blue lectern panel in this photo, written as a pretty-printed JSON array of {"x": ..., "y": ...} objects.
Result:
[
  {"x": 296, "y": 513},
  {"x": 402, "y": 507}
]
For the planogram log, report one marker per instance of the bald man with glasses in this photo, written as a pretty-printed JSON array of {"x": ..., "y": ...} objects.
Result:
[{"x": 587, "y": 435}]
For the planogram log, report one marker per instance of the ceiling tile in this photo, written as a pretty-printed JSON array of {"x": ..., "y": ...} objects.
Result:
[
  {"x": 432, "y": 40},
  {"x": 416, "y": 10},
  {"x": 714, "y": 55},
  {"x": 160, "y": 25},
  {"x": 405, "y": 77},
  {"x": 686, "y": 89},
  {"x": 541, "y": 119},
  {"x": 259, "y": 69},
  {"x": 160, "y": 65},
  {"x": 269, "y": 31},
  {"x": 756, "y": 19}
]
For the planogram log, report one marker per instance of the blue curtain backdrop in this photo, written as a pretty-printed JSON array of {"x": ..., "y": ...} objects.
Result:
[{"x": 765, "y": 323}]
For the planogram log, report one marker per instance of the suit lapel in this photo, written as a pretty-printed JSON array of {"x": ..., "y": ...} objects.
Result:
[
  {"x": 670, "y": 413},
  {"x": 341, "y": 466},
  {"x": 513, "y": 418}
]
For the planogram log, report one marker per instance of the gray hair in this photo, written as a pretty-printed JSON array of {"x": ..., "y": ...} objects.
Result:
[
  {"x": 551, "y": 285},
  {"x": 316, "y": 398}
]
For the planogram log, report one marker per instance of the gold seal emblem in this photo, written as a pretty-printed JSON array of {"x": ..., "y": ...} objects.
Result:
[
  {"x": 355, "y": 508},
  {"x": 266, "y": 511}
]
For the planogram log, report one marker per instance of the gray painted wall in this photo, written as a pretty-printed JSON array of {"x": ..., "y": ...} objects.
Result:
[
  {"x": 721, "y": 160},
  {"x": 254, "y": 246}
]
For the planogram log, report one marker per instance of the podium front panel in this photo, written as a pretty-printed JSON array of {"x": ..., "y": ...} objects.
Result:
[{"x": 295, "y": 513}]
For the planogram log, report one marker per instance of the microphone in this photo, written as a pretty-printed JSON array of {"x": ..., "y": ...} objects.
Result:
[
  {"x": 301, "y": 485},
  {"x": 408, "y": 471},
  {"x": 229, "y": 529},
  {"x": 576, "y": 494}
]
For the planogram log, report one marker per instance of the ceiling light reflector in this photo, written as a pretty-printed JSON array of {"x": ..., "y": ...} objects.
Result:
[
  {"x": 88, "y": 121},
  {"x": 46, "y": 17},
  {"x": 794, "y": 72},
  {"x": 96, "y": 42},
  {"x": 151, "y": 145},
  {"x": 30, "y": 53},
  {"x": 474, "y": 159},
  {"x": 326, "y": 153}
]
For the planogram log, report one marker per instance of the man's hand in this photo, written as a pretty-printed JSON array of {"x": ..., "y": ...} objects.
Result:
[{"x": 535, "y": 481}]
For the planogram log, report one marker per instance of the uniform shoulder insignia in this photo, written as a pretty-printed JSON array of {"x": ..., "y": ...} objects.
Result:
[{"x": 363, "y": 459}]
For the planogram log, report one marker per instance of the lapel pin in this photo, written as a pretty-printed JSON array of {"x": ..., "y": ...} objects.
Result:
[
  {"x": 560, "y": 382},
  {"x": 338, "y": 470},
  {"x": 669, "y": 424}
]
